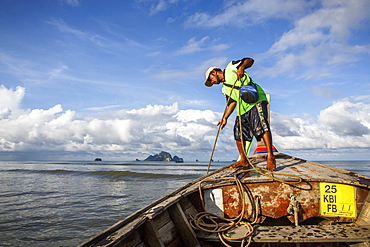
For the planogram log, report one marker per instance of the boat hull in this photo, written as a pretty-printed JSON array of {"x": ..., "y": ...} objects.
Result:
[{"x": 303, "y": 202}]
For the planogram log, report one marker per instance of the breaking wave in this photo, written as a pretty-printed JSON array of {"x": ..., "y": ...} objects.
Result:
[{"x": 109, "y": 174}]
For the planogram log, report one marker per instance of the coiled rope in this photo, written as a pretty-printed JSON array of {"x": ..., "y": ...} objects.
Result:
[{"x": 210, "y": 222}]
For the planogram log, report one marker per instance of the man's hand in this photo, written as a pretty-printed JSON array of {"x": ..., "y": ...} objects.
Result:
[
  {"x": 222, "y": 123},
  {"x": 240, "y": 73}
]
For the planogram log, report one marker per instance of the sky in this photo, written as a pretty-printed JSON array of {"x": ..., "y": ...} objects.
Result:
[{"x": 123, "y": 80}]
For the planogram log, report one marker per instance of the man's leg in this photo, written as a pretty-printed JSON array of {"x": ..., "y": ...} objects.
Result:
[
  {"x": 267, "y": 139},
  {"x": 243, "y": 157}
]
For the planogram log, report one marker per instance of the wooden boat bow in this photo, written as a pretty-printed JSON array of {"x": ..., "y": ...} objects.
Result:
[{"x": 327, "y": 205}]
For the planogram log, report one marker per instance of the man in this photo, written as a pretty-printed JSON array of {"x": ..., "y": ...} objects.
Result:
[{"x": 254, "y": 116}]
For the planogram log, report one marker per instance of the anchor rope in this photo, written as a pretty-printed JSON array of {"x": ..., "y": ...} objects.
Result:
[{"x": 210, "y": 222}]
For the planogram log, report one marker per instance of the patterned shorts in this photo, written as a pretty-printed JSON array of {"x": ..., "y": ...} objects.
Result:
[{"x": 254, "y": 122}]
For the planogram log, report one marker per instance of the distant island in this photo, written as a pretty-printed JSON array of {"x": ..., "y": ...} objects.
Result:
[{"x": 164, "y": 156}]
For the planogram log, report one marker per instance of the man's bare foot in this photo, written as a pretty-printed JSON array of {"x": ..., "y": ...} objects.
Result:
[
  {"x": 240, "y": 163},
  {"x": 271, "y": 163}
]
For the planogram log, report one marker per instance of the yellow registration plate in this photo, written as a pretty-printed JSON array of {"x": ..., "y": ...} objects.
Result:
[{"x": 337, "y": 200}]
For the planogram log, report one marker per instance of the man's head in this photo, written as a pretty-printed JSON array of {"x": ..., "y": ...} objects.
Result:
[{"x": 211, "y": 76}]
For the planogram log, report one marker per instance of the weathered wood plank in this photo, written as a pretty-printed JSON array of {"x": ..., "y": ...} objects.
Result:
[
  {"x": 185, "y": 203},
  {"x": 121, "y": 235},
  {"x": 176, "y": 242},
  {"x": 182, "y": 224},
  {"x": 364, "y": 217},
  {"x": 188, "y": 207},
  {"x": 142, "y": 244},
  {"x": 162, "y": 219},
  {"x": 151, "y": 235},
  {"x": 301, "y": 234},
  {"x": 168, "y": 233},
  {"x": 133, "y": 240},
  {"x": 190, "y": 211}
]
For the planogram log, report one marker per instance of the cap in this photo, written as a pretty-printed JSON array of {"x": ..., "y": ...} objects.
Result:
[{"x": 207, "y": 82}]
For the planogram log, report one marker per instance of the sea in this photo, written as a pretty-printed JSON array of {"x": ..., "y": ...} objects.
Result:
[{"x": 55, "y": 203}]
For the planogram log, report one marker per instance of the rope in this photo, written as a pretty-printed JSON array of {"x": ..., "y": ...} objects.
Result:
[
  {"x": 214, "y": 146},
  {"x": 265, "y": 172},
  {"x": 207, "y": 222},
  {"x": 212, "y": 223}
]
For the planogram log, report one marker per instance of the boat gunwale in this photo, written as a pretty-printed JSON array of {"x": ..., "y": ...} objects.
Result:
[{"x": 141, "y": 212}]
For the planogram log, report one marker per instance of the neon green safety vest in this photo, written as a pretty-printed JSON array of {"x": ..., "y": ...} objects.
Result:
[{"x": 230, "y": 78}]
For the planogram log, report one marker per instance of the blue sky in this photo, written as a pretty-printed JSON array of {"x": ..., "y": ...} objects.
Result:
[{"x": 124, "y": 79}]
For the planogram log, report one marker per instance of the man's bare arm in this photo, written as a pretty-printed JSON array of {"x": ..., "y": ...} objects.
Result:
[{"x": 247, "y": 63}]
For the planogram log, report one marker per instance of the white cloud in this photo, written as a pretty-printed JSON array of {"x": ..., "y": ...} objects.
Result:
[
  {"x": 246, "y": 13},
  {"x": 197, "y": 70},
  {"x": 146, "y": 130},
  {"x": 194, "y": 46},
  {"x": 158, "y": 5},
  {"x": 73, "y": 3},
  {"x": 347, "y": 118},
  {"x": 195, "y": 115},
  {"x": 63, "y": 27},
  {"x": 30, "y": 70},
  {"x": 155, "y": 110},
  {"x": 11, "y": 99},
  {"x": 318, "y": 43},
  {"x": 188, "y": 133},
  {"x": 161, "y": 5},
  {"x": 100, "y": 41},
  {"x": 345, "y": 124},
  {"x": 325, "y": 92},
  {"x": 171, "y": 74}
]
